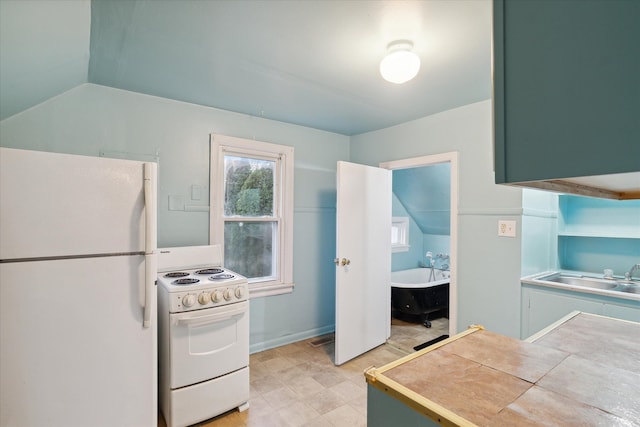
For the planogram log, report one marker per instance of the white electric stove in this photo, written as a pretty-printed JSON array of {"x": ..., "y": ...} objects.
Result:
[{"x": 203, "y": 313}]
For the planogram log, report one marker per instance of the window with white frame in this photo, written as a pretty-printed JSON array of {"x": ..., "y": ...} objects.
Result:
[
  {"x": 252, "y": 211},
  {"x": 399, "y": 234}
]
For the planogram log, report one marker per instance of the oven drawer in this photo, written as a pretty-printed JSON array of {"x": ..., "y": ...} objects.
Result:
[
  {"x": 190, "y": 405},
  {"x": 208, "y": 343}
]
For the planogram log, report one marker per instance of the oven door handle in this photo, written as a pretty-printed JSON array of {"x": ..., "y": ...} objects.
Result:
[{"x": 238, "y": 309}]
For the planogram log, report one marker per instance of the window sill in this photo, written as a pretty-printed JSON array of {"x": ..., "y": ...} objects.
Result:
[
  {"x": 400, "y": 248},
  {"x": 257, "y": 290}
]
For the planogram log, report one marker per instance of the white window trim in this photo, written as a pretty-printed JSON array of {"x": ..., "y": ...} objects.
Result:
[
  {"x": 402, "y": 222},
  {"x": 221, "y": 144}
]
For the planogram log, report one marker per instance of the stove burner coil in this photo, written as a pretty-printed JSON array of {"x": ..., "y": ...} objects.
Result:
[
  {"x": 210, "y": 271},
  {"x": 176, "y": 274},
  {"x": 224, "y": 276},
  {"x": 188, "y": 281}
]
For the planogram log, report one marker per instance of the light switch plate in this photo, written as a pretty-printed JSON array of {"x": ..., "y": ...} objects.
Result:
[{"x": 506, "y": 228}]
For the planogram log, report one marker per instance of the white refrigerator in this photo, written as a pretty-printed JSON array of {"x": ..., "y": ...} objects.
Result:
[{"x": 78, "y": 329}]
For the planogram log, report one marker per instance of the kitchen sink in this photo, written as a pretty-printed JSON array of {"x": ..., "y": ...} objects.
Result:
[
  {"x": 626, "y": 286},
  {"x": 587, "y": 282},
  {"x": 630, "y": 287}
]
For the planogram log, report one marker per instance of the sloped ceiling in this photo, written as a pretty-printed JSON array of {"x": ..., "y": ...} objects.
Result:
[
  {"x": 312, "y": 63},
  {"x": 425, "y": 192}
]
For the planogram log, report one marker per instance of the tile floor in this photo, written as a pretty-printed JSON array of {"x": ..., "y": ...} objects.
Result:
[{"x": 298, "y": 384}]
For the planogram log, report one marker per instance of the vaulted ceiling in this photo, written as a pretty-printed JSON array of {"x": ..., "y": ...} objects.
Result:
[{"x": 312, "y": 63}]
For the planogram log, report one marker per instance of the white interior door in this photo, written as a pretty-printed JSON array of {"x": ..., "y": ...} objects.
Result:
[{"x": 363, "y": 253}]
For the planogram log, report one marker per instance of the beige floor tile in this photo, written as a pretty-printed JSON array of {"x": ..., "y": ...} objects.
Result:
[
  {"x": 298, "y": 414},
  {"x": 360, "y": 404},
  {"x": 347, "y": 390},
  {"x": 259, "y": 407},
  {"x": 280, "y": 397},
  {"x": 264, "y": 384},
  {"x": 345, "y": 415},
  {"x": 304, "y": 386},
  {"x": 325, "y": 401},
  {"x": 278, "y": 363},
  {"x": 318, "y": 422},
  {"x": 328, "y": 377}
]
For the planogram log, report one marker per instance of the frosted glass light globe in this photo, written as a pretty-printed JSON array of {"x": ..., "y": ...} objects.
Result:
[{"x": 400, "y": 65}]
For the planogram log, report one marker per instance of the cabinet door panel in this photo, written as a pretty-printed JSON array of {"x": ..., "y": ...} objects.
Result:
[
  {"x": 623, "y": 312},
  {"x": 546, "y": 308},
  {"x": 566, "y": 86}
]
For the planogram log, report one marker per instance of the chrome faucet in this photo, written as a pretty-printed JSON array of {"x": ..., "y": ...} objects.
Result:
[
  {"x": 629, "y": 275},
  {"x": 430, "y": 261}
]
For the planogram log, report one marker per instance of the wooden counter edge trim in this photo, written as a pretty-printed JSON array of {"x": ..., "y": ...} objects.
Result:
[
  {"x": 415, "y": 401},
  {"x": 552, "y": 326}
]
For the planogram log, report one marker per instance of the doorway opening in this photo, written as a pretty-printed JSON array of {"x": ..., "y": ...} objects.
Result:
[{"x": 429, "y": 192}]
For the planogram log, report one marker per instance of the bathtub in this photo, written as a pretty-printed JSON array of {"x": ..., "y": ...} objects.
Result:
[{"x": 416, "y": 298}]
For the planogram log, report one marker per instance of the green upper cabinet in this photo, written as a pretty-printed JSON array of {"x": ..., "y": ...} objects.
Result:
[{"x": 567, "y": 91}]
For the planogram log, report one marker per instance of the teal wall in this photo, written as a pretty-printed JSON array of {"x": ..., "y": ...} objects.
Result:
[
  {"x": 44, "y": 51},
  {"x": 91, "y": 118},
  {"x": 539, "y": 231},
  {"x": 578, "y": 233},
  {"x": 594, "y": 234},
  {"x": 488, "y": 267}
]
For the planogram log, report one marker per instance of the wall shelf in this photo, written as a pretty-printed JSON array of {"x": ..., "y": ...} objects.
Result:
[
  {"x": 601, "y": 235},
  {"x": 594, "y": 234}
]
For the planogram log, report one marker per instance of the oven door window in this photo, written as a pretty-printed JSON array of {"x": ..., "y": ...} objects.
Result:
[{"x": 208, "y": 343}]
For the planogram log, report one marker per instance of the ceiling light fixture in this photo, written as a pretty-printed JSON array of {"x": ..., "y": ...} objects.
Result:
[{"x": 401, "y": 64}]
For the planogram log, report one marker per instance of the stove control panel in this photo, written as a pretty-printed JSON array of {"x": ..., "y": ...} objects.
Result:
[{"x": 199, "y": 299}]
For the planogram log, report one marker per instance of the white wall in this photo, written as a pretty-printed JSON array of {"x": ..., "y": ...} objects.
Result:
[
  {"x": 91, "y": 118},
  {"x": 488, "y": 265}
]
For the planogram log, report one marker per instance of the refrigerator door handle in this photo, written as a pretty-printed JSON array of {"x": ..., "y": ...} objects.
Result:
[{"x": 150, "y": 239}]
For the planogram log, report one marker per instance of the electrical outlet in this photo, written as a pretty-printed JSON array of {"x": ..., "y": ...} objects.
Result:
[{"x": 506, "y": 228}]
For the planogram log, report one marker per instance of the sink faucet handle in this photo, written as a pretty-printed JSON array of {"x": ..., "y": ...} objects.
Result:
[
  {"x": 629, "y": 275},
  {"x": 608, "y": 273}
]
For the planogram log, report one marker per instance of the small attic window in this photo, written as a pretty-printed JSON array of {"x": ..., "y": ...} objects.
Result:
[{"x": 400, "y": 234}]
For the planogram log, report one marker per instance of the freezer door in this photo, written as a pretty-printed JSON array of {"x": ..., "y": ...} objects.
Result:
[
  {"x": 73, "y": 350},
  {"x": 64, "y": 205}
]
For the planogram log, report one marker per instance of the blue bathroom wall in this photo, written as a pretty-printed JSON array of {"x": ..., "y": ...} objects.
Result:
[
  {"x": 414, "y": 256},
  {"x": 438, "y": 244},
  {"x": 90, "y": 119},
  {"x": 425, "y": 194}
]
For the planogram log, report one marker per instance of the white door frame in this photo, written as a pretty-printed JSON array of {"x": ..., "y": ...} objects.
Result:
[{"x": 452, "y": 158}]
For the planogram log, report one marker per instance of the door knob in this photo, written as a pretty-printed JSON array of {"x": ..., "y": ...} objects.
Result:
[{"x": 342, "y": 261}]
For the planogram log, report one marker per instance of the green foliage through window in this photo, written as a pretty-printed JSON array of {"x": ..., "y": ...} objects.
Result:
[
  {"x": 248, "y": 187},
  {"x": 249, "y": 193}
]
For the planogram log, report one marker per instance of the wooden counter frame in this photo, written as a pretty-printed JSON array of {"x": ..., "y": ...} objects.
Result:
[{"x": 375, "y": 377}]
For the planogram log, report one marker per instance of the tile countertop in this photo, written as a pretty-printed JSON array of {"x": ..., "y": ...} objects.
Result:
[
  {"x": 535, "y": 279},
  {"x": 582, "y": 370}
]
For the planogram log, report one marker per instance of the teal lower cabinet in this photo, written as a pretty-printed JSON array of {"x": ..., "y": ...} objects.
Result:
[
  {"x": 542, "y": 306},
  {"x": 386, "y": 411}
]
